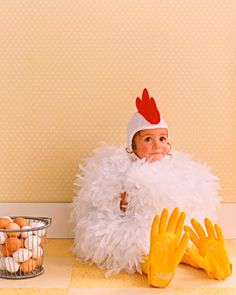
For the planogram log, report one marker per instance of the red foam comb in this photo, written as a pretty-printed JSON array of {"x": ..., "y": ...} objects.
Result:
[{"x": 147, "y": 108}]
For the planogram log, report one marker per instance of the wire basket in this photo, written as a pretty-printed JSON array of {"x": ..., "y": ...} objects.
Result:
[{"x": 22, "y": 250}]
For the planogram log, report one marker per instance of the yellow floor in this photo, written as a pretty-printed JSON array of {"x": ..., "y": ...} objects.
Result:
[{"x": 66, "y": 276}]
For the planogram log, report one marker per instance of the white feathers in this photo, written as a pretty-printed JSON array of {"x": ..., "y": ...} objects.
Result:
[{"x": 113, "y": 242}]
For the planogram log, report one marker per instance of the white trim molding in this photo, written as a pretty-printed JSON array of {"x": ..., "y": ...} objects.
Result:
[{"x": 62, "y": 228}]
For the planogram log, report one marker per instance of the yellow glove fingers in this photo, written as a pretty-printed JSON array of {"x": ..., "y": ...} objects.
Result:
[
  {"x": 180, "y": 224},
  {"x": 198, "y": 229},
  {"x": 193, "y": 236},
  {"x": 211, "y": 254},
  {"x": 182, "y": 247},
  {"x": 154, "y": 229},
  {"x": 173, "y": 220},
  {"x": 209, "y": 228},
  {"x": 163, "y": 220},
  {"x": 219, "y": 233}
]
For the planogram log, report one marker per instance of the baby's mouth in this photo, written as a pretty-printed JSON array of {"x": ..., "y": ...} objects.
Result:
[{"x": 155, "y": 157}]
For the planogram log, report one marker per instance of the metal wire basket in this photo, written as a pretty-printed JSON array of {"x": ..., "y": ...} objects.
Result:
[{"x": 22, "y": 250}]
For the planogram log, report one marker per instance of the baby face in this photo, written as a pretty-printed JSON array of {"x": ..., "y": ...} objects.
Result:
[{"x": 151, "y": 144}]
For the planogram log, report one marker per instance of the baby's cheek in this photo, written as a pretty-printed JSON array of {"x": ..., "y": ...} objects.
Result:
[
  {"x": 166, "y": 148},
  {"x": 142, "y": 152}
]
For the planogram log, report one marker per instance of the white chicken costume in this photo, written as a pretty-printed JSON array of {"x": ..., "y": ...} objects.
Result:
[{"x": 115, "y": 240}]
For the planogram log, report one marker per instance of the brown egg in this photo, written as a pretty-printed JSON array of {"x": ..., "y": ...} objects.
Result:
[
  {"x": 4, "y": 222},
  {"x": 22, "y": 242},
  {"x": 13, "y": 243},
  {"x": 12, "y": 226},
  {"x": 39, "y": 261},
  {"x": 42, "y": 242},
  {"x": 5, "y": 251},
  {"x": 21, "y": 221},
  {"x": 28, "y": 266}
]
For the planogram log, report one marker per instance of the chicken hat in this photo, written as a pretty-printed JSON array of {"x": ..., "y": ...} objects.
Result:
[{"x": 147, "y": 117}]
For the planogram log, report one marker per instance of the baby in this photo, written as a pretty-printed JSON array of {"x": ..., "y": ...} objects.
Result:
[{"x": 124, "y": 195}]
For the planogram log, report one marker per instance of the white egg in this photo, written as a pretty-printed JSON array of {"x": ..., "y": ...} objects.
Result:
[
  {"x": 26, "y": 234},
  {"x": 37, "y": 224},
  {"x": 37, "y": 252},
  {"x": 11, "y": 265},
  {"x": 22, "y": 255},
  {"x": 40, "y": 232},
  {"x": 3, "y": 237},
  {"x": 2, "y": 263},
  {"x": 32, "y": 242}
]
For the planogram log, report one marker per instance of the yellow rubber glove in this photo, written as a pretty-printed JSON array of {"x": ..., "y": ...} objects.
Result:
[
  {"x": 210, "y": 252},
  {"x": 166, "y": 247}
]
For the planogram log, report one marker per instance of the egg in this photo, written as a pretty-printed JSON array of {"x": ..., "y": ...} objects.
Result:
[
  {"x": 8, "y": 217},
  {"x": 22, "y": 255},
  {"x": 3, "y": 237},
  {"x": 22, "y": 243},
  {"x": 39, "y": 261},
  {"x": 12, "y": 226},
  {"x": 40, "y": 232},
  {"x": 13, "y": 243},
  {"x": 4, "y": 222},
  {"x": 28, "y": 266},
  {"x": 21, "y": 221},
  {"x": 2, "y": 263},
  {"x": 42, "y": 242},
  {"x": 26, "y": 234},
  {"x": 11, "y": 265},
  {"x": 37, "y": 252},
  {"x": 32, "y": 242},
  {"x": 5, "y": 251}
]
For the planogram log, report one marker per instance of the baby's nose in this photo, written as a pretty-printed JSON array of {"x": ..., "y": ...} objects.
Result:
[{"x": 156, "y": 143}]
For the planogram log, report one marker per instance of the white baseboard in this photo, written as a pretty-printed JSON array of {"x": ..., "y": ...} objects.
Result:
[{"x": 60, "y": 214}]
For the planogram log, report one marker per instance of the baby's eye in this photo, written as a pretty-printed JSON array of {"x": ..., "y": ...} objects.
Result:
[
  {"x": 163, "y": 138},
  {"x": 148, "y": 139}
]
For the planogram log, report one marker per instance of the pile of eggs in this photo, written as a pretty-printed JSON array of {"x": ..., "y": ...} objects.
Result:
[{"x": 21, "y": 250}]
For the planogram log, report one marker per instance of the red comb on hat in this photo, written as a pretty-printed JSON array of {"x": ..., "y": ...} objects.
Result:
[
  {"x": 147, "y": 117},
  {"x": 147, "y": 108}
]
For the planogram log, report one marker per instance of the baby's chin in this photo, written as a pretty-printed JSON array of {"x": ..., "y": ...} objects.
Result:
[{"x": 154, "y": 157}]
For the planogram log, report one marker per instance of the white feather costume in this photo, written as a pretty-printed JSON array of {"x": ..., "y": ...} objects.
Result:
[{"x": 115, "y": 242}]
